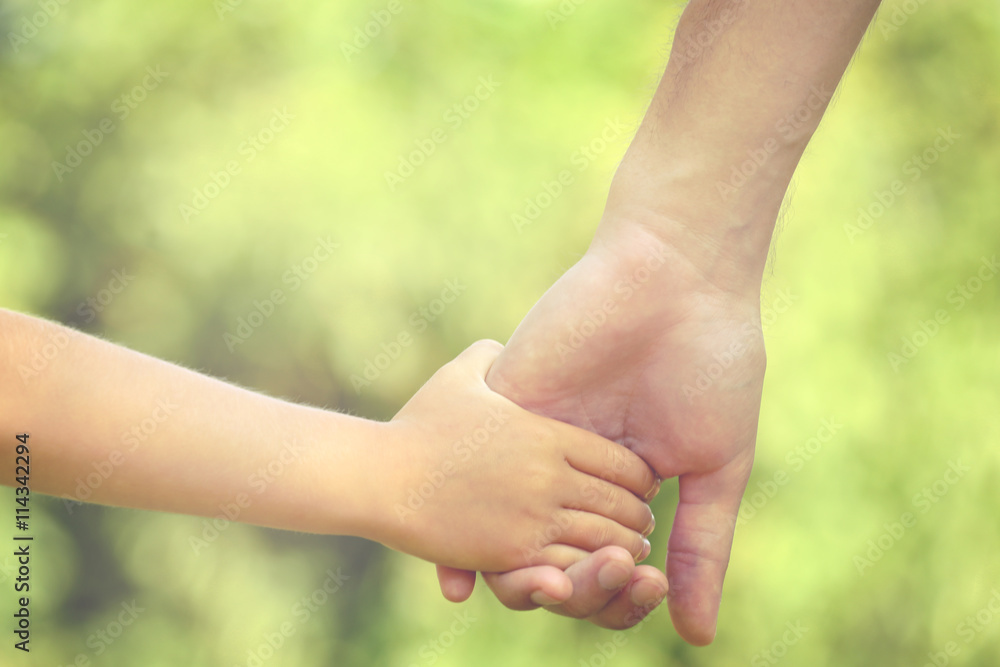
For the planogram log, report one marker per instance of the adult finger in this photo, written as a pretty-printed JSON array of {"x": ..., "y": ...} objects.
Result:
[
  {"x": 529, "y": 587},
  {"x": 591, "y": 584},
  {"x": 700, "y": 543},
  {"x": 644, "y": 591},
  {"x": 596, "y": 581}
]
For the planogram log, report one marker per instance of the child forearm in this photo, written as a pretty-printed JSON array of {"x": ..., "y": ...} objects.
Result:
[{"x": 117, "y": 427}]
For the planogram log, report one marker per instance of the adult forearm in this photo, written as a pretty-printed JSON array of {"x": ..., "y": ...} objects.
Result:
[
  {"x": 744, "y": 90},
  {"x": 114, "y": 426}
]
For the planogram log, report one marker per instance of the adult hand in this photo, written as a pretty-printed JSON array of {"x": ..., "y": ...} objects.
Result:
[
  {"x": 638, "y": 344},
  {"x": 653, "y": 339}
]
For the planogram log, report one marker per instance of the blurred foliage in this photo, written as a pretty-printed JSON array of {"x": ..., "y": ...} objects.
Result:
[{"x": 223, "y": 72}]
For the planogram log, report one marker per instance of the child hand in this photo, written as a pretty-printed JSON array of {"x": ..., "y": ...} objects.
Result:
[{"x": 473, "y": 481}]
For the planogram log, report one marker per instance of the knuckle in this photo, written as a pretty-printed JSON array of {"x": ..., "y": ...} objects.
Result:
[
  {"x": 603, "y": 535},
  {"x": 487, "y": 344},
  {"x": 612, "y": 462},
  {"x": 615, "y": 501},
  {"x": 576, "y": 609}
]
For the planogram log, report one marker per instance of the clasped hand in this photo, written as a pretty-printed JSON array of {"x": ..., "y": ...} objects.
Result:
[{"x": 632, "y": 376}]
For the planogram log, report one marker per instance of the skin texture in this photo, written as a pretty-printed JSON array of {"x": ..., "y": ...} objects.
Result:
[
  {"x": 208, "y": 446},
  {"x": 696, "y": 195},
  {"x": 549, "y": 489}
]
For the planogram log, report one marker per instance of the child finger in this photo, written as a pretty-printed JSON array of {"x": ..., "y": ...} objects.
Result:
[
  {"x": 556, "y": 555},
  {"x": 610, "y": 461},
  {"x": 614, "y": 502},
  {"x": 590, "y": 532}
]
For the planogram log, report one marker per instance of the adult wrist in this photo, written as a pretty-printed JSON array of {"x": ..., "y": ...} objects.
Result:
[
  {"x": 710, "y": 187},
  {"x": 704, "y": 248}
]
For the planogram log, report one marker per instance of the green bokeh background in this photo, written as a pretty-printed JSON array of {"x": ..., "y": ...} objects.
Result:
[{"x": 854, "y": 298}]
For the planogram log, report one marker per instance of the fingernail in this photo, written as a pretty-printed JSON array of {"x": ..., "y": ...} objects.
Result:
[
  {"x": 647, "y": 595},
  {"x": 657, "y": 599},
  {"x": 646, "y": 548},
  {"x": 542, "y": 599},
  {"x": 612, "y": 576},
  {"x": 655, "y": 490},
  {"x": 651, "y": 526}
]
